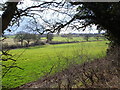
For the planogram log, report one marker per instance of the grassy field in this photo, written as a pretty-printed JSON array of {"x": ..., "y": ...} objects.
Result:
[
  {"x": 65, "y": 39},
  {"x": 37, "y": 61},
  {"x": 10, "y": 40}
]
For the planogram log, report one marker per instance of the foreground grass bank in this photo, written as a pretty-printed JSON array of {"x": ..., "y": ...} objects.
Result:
[{"x": 37, "y": 61}]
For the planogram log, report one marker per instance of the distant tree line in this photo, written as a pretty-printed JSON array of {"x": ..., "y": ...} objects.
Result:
[
  {"x": 82, "y": 35},
  {"x": 27, "y": 37},
  {"x": 85, "y": 36}
]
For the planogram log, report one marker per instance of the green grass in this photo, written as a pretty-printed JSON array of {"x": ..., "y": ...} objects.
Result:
[
  {"x": 10, "y": 40},
  {"x": 37, "y": 61},
  {"x": 65, "y": 39}
]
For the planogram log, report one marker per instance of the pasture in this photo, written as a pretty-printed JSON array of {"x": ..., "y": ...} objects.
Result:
[
  {"x": 10, "y": 39},
  {"x": 37, "y": 61},
  {"x": 66, "y": 39}
]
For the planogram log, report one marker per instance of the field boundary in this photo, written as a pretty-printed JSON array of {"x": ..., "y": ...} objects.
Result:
[
  {"x": 55, "y": 42},
  {"x": 51, "y": 43}
]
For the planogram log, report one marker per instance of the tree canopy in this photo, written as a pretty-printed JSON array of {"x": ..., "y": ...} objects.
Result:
[{"x": 104, "y": 15}]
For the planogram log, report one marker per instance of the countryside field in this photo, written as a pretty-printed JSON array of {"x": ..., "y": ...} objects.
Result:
[
  {"x": 59, "y": 44},
  {"x": 37, "y": 61},
  {"x": 65, "y": 39},
  {"x": 10, "y": 39}
]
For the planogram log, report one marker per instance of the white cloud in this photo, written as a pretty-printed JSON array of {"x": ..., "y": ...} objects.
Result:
[{"x": 48, "y": 15}]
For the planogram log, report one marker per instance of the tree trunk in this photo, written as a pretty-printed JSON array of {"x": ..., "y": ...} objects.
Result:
[
  {"x": 21, "y": 43},
  {"x": 28, "y": 43},
  {"x": 8, "y": 14}
]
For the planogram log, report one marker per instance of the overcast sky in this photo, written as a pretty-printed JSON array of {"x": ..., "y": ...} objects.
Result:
[{"x": 48, "y": 15}]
